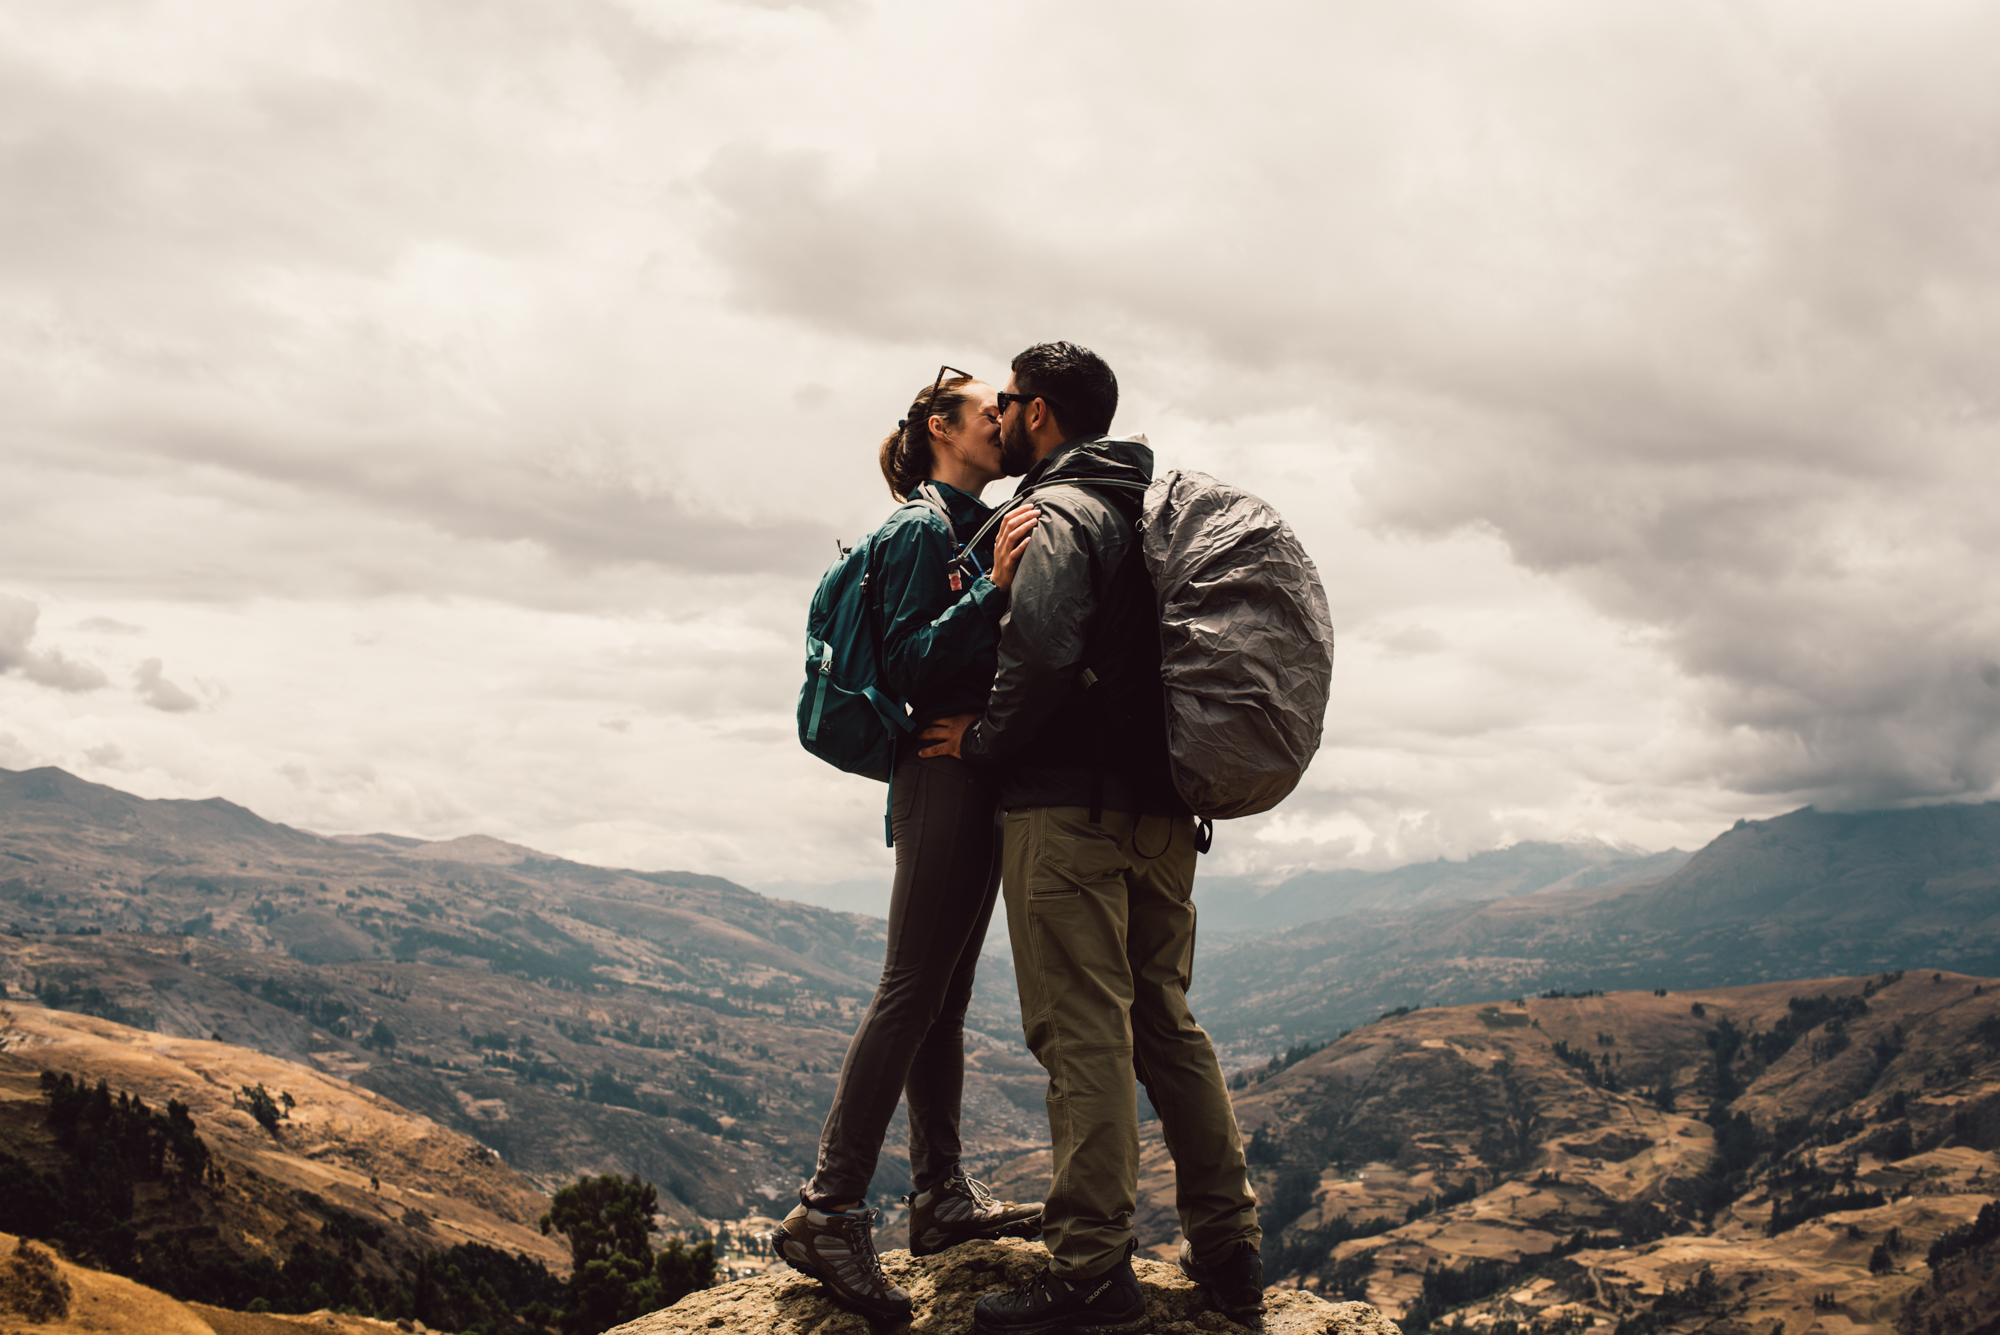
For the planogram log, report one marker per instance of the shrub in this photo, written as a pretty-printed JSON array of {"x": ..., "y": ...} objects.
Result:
[
  {"x": 31, "y": 1285},
  {"x": 267, "y": 1111}
]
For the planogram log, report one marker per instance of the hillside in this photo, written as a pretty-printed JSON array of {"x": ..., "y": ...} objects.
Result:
[
  {"x": 340, "y": 1143},
  {"x": 1804, "y": 1143},
  {"x": 574, "y": 1019},
  {"x": 55, "y": 1296},
  {"x": 266, "y": 1182},
  {"x": 1803, "y": 895}
]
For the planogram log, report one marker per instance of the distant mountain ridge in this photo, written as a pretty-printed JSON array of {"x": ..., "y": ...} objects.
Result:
[
  {"x": 1805, "y": 894},
  {"x": 1244, "y": 904},
  {"x": 1910, "y": 871},
  {"x": 1233, "y": 906}
]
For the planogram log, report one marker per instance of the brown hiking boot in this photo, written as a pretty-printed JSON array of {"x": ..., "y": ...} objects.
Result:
[
  {"x": 959, "y": 1209},
  {"x": 838, "y": 1250}
]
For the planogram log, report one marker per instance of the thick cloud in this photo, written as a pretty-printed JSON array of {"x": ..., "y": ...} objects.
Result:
[
  {"x": 1695, "y": 309},
  {"x": 477, "y": 389},
  {"x": 45, "y": 667},
  {"x": 156, "y": 692}
]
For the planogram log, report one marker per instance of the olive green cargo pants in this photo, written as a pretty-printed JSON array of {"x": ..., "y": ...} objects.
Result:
[{"x": 1102, "y": 921}]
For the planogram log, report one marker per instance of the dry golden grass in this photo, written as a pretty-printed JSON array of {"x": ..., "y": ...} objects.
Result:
[{"x": 342, "y": 1143}]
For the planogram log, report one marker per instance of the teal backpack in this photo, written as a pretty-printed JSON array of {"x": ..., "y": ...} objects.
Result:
[{"x": 846, "y": 717}]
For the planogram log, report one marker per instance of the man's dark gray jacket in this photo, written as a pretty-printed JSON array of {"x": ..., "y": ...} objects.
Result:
[{"x": 1076, "y": 716}]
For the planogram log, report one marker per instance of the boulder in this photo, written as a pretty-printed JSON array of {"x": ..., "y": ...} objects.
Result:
[{"x": 944, "y": 1288}]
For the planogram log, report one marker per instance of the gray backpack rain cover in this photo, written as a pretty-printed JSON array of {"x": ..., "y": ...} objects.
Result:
[{"x": 1246, "y": 643}]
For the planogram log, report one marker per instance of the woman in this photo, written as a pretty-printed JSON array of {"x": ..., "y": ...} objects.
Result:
[{"x": 940, "y": 638}]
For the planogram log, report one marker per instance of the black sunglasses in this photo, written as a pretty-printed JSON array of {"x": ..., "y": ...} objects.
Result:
[
  {"x": 938, "y": 383},
  {"x": 922, "y": 407},
  {"x": 1006, "y": 399}
]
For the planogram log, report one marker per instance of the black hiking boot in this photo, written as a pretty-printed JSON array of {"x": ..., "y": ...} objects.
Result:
[
  {"x": 959, "y": 1209},
  {"x": 1106, "y": 1304},
  {"x": 838, "y": 1250},
  {"x": 1234, "y": 1285}
]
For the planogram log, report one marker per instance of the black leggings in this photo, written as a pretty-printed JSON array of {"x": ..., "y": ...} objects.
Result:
[{"x": 911, "y": 1040}]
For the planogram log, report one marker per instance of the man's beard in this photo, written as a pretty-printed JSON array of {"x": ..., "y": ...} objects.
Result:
[{"x": 1017, "y": 453}]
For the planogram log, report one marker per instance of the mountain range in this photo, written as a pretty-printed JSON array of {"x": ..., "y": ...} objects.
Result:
[
  {"x": 1809, "y": 894},
  {"x": 579, "y": 1019},
  {"x": 1238, "y": 906},
  {"x": 573, "y": 1018},
  {"x": 1233, "y": 907}
]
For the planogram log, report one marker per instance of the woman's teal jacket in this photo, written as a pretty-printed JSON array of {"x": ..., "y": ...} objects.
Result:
[{"x": 939, "y": 645}]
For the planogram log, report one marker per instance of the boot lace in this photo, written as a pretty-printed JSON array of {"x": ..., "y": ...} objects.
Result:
[
  {"x": 1024, "y": 1292},
  {"x": 977, "y": 1190},
  {"x": 859, "y": 1234}
]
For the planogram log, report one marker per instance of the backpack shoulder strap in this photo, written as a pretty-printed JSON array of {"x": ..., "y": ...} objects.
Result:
[
  {"x": 927, "y": 496},
  {"x": 1000, "y": 513}
]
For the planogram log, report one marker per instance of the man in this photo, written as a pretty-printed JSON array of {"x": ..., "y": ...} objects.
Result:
[{"x": 1097, "y": 871}]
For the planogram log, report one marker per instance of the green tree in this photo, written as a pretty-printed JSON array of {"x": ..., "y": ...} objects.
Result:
[
  {"x": 680, "y": 1270},
  {"x": 608, "y": 1221}
]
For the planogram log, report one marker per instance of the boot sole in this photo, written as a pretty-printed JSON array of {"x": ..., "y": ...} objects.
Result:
[
  {"x": 778, "y": 1237},
  {"x": 1066, "y": 1325},
  {"x": 1029, "y": 1228},
  {"x": 1252, "y": 1317}
]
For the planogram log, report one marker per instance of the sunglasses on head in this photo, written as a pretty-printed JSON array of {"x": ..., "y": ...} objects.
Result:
[
  {"x": 922, "y": 406},
  {"x": 938, "y": 383}
]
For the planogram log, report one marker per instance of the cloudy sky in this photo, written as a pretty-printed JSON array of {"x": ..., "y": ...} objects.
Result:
[{"x": 434, "y": 417}]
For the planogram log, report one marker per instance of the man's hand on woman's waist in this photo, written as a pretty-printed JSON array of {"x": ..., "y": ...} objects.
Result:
[{"x": 946, "y": 733}]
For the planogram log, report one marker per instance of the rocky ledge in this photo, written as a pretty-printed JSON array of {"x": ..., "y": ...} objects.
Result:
[{"x": 945, "y": 1287}]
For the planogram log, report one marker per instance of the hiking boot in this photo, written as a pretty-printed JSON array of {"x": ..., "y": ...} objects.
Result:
[
  {"x": 1235, "y": 1286},
  {"x": 1106, "y": 1304},
  {"x": 959, "y": 1209},
  {"x": 838, "y": 1250}
]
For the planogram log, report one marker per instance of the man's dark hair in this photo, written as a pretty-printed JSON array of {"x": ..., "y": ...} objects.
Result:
[{"x": 1078, "y": 385}]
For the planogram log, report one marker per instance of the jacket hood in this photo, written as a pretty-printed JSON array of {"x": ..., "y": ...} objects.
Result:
[{"x": 1119, "y": 458}]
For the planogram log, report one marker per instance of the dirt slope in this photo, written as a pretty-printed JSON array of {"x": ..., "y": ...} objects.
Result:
[
  {"x": 91, "y": 1302},
  {"x": 426, "y": 1186}
]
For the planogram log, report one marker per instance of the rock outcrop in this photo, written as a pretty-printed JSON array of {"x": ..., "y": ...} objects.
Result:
[{"x": 945, "y": 1287}]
